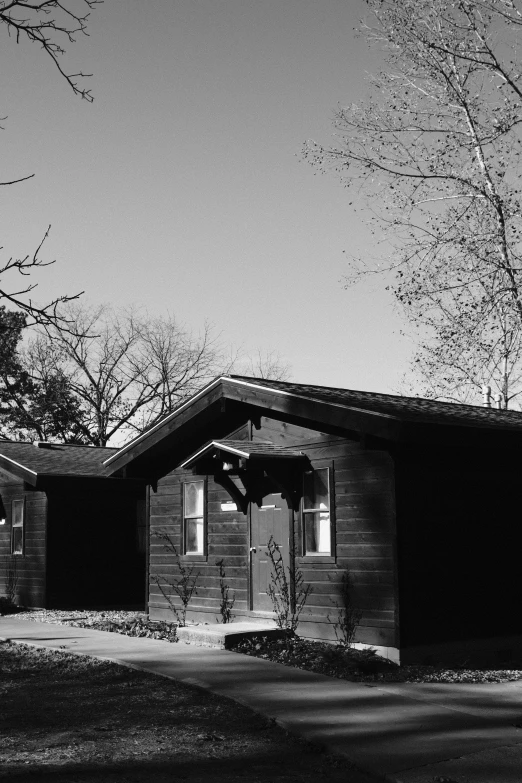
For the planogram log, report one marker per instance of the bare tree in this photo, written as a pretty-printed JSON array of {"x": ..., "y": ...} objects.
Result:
[
  {"x": 125, "y": 369},
  {"x": 435, "y": 151},
  {"x": 264, "y": 364},
  {"x": 21, "y": 298},
  {"x": 52, "y": 24}
]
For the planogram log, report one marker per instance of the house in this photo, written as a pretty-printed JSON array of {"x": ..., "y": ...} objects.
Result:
[
  {"x": 75, "y": 536},
  {"x": 418, "y": 500}
]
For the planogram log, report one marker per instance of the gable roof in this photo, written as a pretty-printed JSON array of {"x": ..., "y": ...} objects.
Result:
[
  {"x": 32, "y": 461},
  {"x": 246, "y": 450},
  {"x": 415, "y": 409},
  {"x": 328, "y": 409}
]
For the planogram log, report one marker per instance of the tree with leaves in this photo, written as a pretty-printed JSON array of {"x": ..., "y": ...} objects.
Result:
[
  {"x": 14, "y": 380},
  {"x": 32, "y": 408},
  {"x": 435, "y": 151},
  {"x": 52, "y": 25}
]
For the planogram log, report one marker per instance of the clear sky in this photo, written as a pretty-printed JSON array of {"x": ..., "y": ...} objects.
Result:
[{"x": 181, "y": 187}]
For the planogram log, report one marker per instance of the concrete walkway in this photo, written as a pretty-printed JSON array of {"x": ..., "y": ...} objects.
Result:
[{"x": 400, "y": 732}]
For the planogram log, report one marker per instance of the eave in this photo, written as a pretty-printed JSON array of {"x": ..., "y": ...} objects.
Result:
[
  {"x": 21, "y": 471},
  {"x": 254, "y": 400},
  {"x": 253, "y": 452}
]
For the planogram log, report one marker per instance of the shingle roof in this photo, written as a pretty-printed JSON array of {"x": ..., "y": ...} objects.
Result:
[
  {"x": 349, "y": 407},
  {"x": 257, "y": 449},
  {"x": 54, "y": 459},
  {"x": 245, "y": 449},
  {"x": 414, "y": 409}
]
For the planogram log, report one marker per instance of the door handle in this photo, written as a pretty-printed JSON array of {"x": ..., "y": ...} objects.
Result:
[{"x": 253, "y": 549}]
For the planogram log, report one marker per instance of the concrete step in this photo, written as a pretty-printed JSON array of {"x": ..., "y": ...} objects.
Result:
[{"x": 223, "y": 636}]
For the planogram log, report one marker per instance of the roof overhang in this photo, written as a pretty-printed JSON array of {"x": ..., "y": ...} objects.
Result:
[
  {"x": 253, "y": 453},
  {"x": 19, "y": 470},
  {"x": 254, "y": 399},
  {"x": 41, "y": 478},
  {"x": 253, "y": 464}
]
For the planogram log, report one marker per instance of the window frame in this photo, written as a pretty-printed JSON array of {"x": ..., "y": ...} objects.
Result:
[
  {"x": 320, "y": 557},
  {"x": 194, "y": 555},
  {"x": 18, "y": 526}
]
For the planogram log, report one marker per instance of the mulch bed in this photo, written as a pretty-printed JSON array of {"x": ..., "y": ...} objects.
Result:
[
  {"x": 321, "y": 658},
  {"x": 115, "y": 621},
  {"x": 362, "y": 665}
]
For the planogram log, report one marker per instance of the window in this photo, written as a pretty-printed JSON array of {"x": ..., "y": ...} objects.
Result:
[
  {"x": 317, "y": 534},
  {"x": 17, "y": 527},
  {"x": 194, "y": 517}
]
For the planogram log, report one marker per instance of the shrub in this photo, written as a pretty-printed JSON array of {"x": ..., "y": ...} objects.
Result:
[
  {"x": 184, "y": 586},
  {"x": 8, "y": 602},
  {"x": 227, "y": 602},
  {"x": 349, "y": 616},
  {"x": 287, "y": 591}
]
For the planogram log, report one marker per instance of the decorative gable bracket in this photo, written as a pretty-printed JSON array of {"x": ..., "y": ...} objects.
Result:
[{"x": 259, "y": 466}]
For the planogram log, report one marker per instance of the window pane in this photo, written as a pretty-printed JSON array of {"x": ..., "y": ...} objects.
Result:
[
  {"x": 317, "y": 533},
  {"x": 18, "y": 513},
  {"x": 316, "y": 494},
  {"x": 194, "y": 499},
  {"x": 194, "y": 535},
  {"x": 18, "y": 538}
]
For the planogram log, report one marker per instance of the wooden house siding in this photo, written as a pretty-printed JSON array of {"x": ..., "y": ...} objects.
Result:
[
  {"x": 459, "y": 545},
  {"x": 363, "y": 495},
  {"x": 31, "y": 566},
  {"x": 364, "y": 528},
  {"x": 92, "y": 554},
  {"x": 80, "y": 546},
  {"x": 227, "y": 535}
]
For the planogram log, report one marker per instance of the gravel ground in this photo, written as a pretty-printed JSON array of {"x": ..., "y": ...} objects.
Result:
[
  {"x": 115, "y": 621},
  {"x": 332, "y": 660},
  {"x": 77, "y": 616}
]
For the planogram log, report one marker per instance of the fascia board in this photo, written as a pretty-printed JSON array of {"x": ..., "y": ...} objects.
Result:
[
  {"x": 209, "y": 447},
  {"x": 303, "y": 398},
  {"x": 19, "y": 470},
  {"x": 245, "y": 384},
  {"x": 162, "y": 423}
]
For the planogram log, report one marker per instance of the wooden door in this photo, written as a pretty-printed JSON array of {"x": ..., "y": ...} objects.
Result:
[{"x": 269, "y": 519}]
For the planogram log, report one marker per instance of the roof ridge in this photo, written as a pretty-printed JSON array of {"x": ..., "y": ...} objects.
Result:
[
  {"x": 294, "y": 385},
  {"x": 61, "y": 445}
]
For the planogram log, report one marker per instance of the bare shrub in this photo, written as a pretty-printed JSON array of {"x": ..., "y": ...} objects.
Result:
[{"x": 287, "y": 591}]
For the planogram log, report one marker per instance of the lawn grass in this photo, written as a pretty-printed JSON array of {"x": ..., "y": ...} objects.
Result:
[{"x": 74, "y": 719}]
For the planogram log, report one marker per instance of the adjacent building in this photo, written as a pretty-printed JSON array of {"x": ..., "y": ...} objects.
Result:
[{"x": 71, "y": 536}]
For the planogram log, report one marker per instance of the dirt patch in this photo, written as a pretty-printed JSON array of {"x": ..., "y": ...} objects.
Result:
[{"x": 72, "y": 719}]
